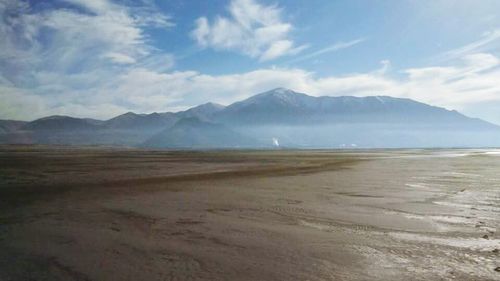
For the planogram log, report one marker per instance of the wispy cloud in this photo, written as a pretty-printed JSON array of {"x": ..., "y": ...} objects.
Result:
[
  {"x": 332, "y": 48},
  {"x": 63, "y": 40},
  {"x": 251, "y": 28},
  {"x": 54, "y": 57},
  {"x": 481, "y": 45}
]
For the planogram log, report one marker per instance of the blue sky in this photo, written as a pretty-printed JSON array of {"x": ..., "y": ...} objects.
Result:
[{"x": 100, "y": 58}]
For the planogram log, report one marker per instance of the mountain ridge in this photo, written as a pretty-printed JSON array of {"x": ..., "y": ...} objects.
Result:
[
  {"x": 296, "y": 119},
  {"x": 282, "y": 105}
]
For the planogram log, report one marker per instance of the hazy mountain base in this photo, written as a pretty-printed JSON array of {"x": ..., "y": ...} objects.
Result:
[
  {"x": 194, "y": 133},
  {"x": 370, "y": 136},
  {"x": 99, "y": 214},
  {"x": 326, "y": 136}
]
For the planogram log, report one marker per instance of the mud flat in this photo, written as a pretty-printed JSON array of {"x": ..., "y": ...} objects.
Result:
[{"x": 124, "y": 214}]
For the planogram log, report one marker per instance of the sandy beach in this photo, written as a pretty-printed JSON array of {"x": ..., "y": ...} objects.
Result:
[{"x": 70, "y": 213}]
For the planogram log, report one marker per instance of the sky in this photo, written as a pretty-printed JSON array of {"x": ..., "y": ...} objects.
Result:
[{"x": 102, "y": 58}]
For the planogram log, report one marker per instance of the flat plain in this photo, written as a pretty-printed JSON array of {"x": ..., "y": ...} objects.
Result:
[{"x": 92, "y": 213}]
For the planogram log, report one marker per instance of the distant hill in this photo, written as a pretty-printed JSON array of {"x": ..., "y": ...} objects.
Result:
[
  {"x": 203, "y": 112},
  {"x": 135, "y": 121},
  {"x": 280, "y": 116},
  {"x": 7, "y": 126},
  {"x": 62, "y": 123}
]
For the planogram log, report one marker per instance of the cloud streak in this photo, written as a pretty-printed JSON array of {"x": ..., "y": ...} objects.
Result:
[
  {"x": 332, "y": 48},
  {"x": 480, "y": 45}
]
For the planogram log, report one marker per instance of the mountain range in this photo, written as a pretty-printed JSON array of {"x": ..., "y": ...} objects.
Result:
[{"x": 283, "y": 116}]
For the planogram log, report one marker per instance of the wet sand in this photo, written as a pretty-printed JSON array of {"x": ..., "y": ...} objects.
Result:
[{"x": 126, "y": 214}]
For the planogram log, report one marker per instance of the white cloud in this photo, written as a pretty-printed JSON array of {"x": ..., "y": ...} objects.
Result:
[
  {"x": 252, "y": 29},
  {"x": 386, "y": 66},
  {"x": 473, "y": 80},
  {"x": 95, "y": 6},
  {"x": 120, "y": 58}
]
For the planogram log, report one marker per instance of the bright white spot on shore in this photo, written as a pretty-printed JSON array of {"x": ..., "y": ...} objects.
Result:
[{"x": 276, "y": 142}]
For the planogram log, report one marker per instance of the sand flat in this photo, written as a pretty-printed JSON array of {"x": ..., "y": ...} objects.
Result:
[{"x": 85, "y": 213}]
